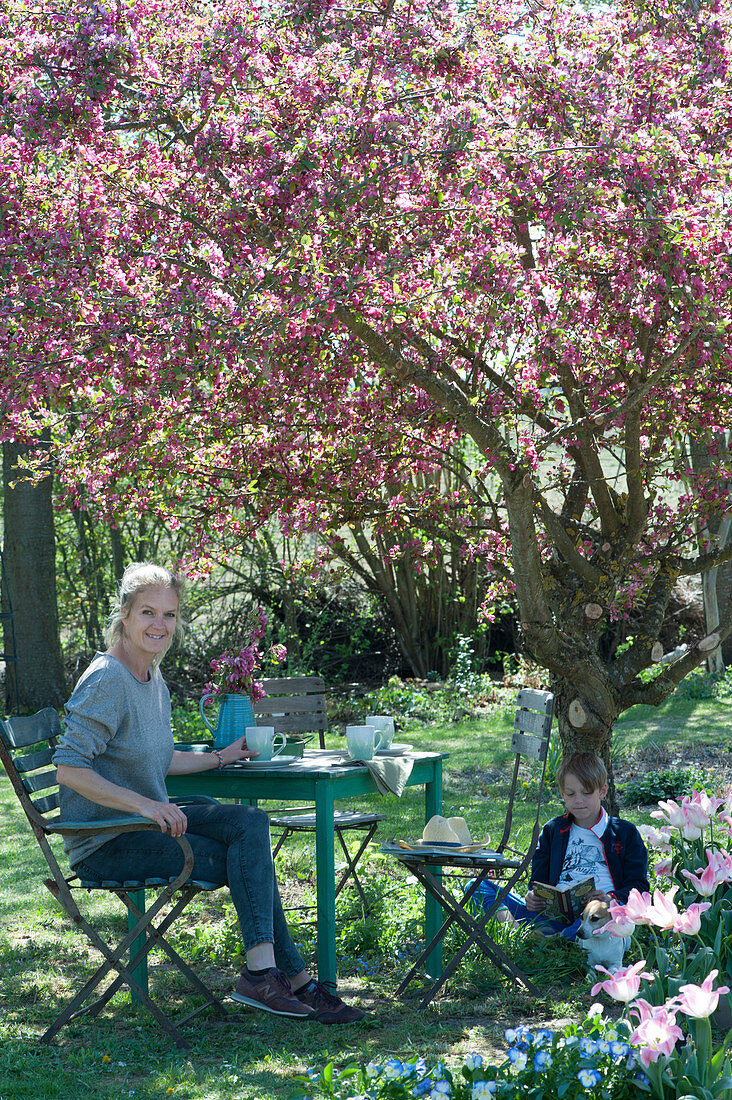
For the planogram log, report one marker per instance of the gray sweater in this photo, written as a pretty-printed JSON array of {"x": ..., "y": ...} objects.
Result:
[{"x": 120, "y": 728}]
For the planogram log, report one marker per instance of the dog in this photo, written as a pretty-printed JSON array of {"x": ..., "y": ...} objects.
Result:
[{"x": 602, "y": 948}]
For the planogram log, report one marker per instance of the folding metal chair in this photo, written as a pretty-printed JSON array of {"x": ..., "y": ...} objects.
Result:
[
  {"x": 297, "y": 705},
  {"x": 530, "y": 740},
  {"x": 30, "y": 773}
]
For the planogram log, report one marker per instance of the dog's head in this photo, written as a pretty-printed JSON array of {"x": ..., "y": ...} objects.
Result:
[{"x": 595, "y": 915}]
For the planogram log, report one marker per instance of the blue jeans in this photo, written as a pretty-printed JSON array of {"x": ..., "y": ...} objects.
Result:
[
  {"x": 231, "y": 847},
  {"x": 488, "y": 891}
]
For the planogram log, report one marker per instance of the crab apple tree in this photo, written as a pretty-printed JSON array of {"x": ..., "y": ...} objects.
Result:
[{"x": 297, "y": 259}]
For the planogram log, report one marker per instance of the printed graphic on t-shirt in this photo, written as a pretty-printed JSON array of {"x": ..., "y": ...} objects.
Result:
[{"x": 584, "y": 858}]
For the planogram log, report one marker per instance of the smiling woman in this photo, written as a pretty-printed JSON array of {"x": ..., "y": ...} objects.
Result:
[{"x": 116, "y": 751}]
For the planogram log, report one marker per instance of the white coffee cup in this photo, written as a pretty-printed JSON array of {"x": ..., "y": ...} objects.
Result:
[
  {"x": 384, "y": 725},
  {"x": 362, "y": 742},
  {"x": 264, "y": 740}
]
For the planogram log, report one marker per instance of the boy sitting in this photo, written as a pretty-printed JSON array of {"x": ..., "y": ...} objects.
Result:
[{"x": 584, "y": 842}]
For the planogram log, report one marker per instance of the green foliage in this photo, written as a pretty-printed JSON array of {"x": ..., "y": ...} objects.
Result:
[
  {"x": 699, "y": 684},
  {"x": 653, "y": 786}
]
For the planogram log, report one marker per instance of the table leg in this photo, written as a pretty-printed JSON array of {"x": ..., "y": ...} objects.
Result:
[
  {"x": 432, "y": 908},
  {"x": 325, "y": 883}
]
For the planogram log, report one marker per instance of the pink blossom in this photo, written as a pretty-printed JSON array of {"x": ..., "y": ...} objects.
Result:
[
  {"x": 656, "y": 838},
  {"x": 657, "y": 1031},
  {"x": 662, "y": 911},
  {"x": 671, "y": 811},
  {"x": 717, "y": 871},
  {"x": 624, "y": 984},
  {"x": 700, "y": 1000},
  {"x": 621, "y": 924},
  {"x": 689, "y": 923},
  {"x": 664, "y": 868},
  {"x": 636, "y": 906}
]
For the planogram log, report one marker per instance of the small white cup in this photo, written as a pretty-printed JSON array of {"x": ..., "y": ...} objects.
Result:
[
  {"x": 264, "y": 740},
  {"x": 362, "y": 742},
  {"x": 384, "y": 725}
]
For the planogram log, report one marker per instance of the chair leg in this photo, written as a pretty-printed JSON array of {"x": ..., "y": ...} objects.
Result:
[
  {"x": 113, "y": 961},
  {"x": 351, "y": 861},
  {"x": 282, "y": 838},
  {"x": 156, "y": 934}
]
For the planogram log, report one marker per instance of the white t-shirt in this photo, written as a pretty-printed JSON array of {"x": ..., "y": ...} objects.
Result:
[{"x": 585, "y": 856}]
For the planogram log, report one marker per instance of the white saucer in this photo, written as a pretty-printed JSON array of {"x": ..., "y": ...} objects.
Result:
[
  {"x": 277, "y": 762},
  {"x": 395, "y": 750}
]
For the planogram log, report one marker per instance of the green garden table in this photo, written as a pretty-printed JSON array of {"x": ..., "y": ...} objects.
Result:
[{"x": 321, "y": 778}]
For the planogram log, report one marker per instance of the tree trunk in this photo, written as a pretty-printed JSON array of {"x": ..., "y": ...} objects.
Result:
[
  {"x": 584, "y": 719},
  {"x": 30, "y": 573}
]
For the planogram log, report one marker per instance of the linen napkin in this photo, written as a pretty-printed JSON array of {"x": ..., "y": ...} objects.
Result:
[{"x": 390, "y": 773}]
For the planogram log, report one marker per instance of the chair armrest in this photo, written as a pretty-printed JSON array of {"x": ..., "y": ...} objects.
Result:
[
  {"x": 106, "y": 825},
  {"x": 194, "y": 799}
]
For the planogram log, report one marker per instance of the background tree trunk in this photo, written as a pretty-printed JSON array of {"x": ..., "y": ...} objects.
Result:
[{"x": 30, "y": 574}]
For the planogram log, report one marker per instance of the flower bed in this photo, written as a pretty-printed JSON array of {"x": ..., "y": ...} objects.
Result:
[{"x": 663, "y": 1045}]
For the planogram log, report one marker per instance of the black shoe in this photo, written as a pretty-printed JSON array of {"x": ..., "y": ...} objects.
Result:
[{"x": 329, "y": 1009}]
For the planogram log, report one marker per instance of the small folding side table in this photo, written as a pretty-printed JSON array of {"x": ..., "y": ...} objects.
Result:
[{"x": 427, "y": 867}]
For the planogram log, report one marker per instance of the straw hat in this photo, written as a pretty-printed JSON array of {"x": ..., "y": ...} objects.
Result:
[{"x": 438, "y": 830}]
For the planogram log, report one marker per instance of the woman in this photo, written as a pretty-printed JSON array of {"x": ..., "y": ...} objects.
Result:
[{"x": 117, "y": 749}]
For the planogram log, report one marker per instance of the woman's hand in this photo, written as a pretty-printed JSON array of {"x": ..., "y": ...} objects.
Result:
[
  {"x": 184, "y": 763},
  {"x": 237, "y": 750},
  {"x": 169, "y": 817}
]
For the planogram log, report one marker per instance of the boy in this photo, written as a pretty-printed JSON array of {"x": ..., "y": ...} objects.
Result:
[{"x": 585, "y": 841}]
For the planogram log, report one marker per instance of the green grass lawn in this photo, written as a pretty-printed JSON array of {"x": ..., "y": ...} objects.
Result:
[{"x": 251, "y": 1055}]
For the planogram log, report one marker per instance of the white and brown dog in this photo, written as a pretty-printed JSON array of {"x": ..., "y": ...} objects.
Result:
[{"x": 602, "y": 948}]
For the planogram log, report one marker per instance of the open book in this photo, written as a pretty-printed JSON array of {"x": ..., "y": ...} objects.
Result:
[{"x": 564, "y": 903}]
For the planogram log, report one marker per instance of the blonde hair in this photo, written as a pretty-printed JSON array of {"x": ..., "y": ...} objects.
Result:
[
  {"x": 138, "y": 576},
  {"x": 585, "y": 766}
]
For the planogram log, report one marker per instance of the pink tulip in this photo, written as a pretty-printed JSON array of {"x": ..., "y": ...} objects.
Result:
[
  {"x": 662, "y": 911},
  {"x": 624, "y": 984},
  {"x": 636, "y": 906},
  {"x": 689, "y": 923},
  {"x": 700, "y": 1000},
  {"x": 717, "y": 870},
  {"x": 620, "y": 923},
  {"x": 708, "y": 804},
  {"x": 657, "y": 1032},
  {"x": 664, "y": 868},
  {"x": 656, "y": 838},
  {"x": 671, "y": 811}
]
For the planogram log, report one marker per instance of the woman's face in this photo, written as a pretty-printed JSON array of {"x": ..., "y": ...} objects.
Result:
[{"x": 150, "y": 622}]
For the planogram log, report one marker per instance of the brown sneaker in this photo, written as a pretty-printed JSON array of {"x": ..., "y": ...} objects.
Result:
[
  {"x": 273, "y": 993},
  {"x": 329, "y": 1009}
]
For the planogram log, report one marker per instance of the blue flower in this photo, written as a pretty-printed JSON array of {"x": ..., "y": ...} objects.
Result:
[
  {"x": 589, "y": 1046},
  {"x": 473, "y": 1061},
  {"x": 517, "y": 1058},
  {"x": 420, "y": 1066},
  {"x": 543, "y": 1037},
  {"x": 542, "y": 1060},
  {"x": 373, "y": 1070},
  {"x": 440, "y": 1091},
  {"x": 393, "y": 1069},
  {"x": 422, "y": 1087},
  {"x": 619, "y": 1050},
  {"x": 588, "y": 1078},
  {"x": 483, "y": 1090}
]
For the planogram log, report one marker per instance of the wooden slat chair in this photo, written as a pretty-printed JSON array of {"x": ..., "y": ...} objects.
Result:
[
  {"x": 32, "y": 774},
  {"x": 294, "y": 704},
  {"x": 530, "y": 743},
  {"x": 297, "y": 705}
]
